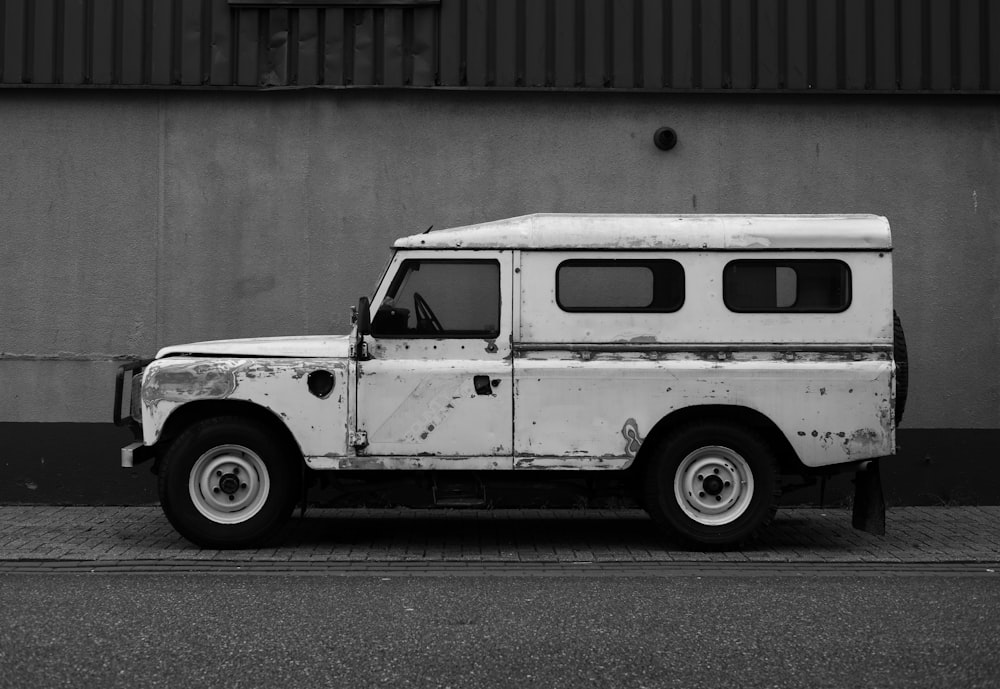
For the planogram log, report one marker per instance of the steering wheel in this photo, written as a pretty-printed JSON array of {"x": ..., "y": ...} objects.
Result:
[{"x": 424, "y": 314}]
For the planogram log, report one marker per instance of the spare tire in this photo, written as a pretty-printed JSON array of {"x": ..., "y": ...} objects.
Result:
[{"x": 902, "y": 366}]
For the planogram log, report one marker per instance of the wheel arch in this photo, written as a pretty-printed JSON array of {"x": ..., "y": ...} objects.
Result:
[
  {"x": 199, "y": 410},
  {"x": 788, "y": 460}
]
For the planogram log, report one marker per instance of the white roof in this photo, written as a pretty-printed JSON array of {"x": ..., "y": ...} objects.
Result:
[{"x": 663, "y": 232}]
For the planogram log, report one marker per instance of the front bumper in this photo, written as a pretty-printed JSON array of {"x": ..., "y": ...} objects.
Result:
[{"x": 135, "y": 453}]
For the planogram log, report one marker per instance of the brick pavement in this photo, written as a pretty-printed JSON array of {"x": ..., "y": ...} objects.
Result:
[{"x": 345, "y": 536}]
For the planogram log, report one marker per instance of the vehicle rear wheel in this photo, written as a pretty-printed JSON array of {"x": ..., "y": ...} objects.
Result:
[
  {"x": 226, "y": 483},
  {"x": 712, "y": 485}
]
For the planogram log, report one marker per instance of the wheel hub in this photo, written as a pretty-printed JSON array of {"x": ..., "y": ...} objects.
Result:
[
  {"x": 713, "y": 485},
  {"x": 229, "y": 484}
]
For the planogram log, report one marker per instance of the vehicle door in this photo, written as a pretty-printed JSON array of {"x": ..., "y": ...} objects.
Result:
[{"x": 436, "y": 379}]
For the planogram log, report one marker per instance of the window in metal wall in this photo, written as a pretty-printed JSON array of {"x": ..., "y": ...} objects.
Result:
[
  {"x": 804, "y": 286},
  {"x": 620, "y": 285}
]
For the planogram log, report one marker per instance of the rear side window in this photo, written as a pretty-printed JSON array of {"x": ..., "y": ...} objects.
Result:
[
  {"x": 620, "y": 285},
  {"x": 803, "y": 286}
]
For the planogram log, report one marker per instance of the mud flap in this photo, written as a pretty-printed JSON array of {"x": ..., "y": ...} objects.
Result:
[{"x": 869, "y": 502}]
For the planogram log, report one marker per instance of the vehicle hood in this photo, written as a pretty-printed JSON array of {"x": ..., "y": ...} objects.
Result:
[{"x": 305, "y": 347}]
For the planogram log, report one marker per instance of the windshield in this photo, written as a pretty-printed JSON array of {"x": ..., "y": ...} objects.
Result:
[{"x": 381, "y": 275}]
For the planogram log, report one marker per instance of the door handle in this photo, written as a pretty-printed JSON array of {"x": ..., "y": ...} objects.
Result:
[{"x": 483, "y": 385}]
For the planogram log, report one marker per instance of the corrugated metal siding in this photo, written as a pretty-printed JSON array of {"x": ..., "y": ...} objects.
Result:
[{"x": 672, "y": 45}]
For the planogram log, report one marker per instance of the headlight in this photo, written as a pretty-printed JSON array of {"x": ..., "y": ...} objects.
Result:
[{"x": 135, "y": 396}]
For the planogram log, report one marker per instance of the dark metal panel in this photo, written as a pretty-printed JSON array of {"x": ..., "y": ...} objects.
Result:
[
  {"x": 42, "y": 42},
  {"x": 508, "y": 41},
  {"x": 223, "y": 56},
  {"x": 13, "y": 47},
  {"x": 941, "y": 17},
  {"x": 593, "y": 49},
  {"x": 359, "y": 30},
  {"x": 190, "y": 41},
  {"x": 424, "y": 46},
  {"x": 625, "y": 43},
  {"x": 331, "y": 3},
  {"x": 969, "y": 37},
  {"x": 476, "y": 27},
  {"x": 248, "y": 31},
  {"x": 747, "y": 45},
  {"x": 714, "y": 45},
  {"x": 161, "y": 41},
  {"x": 132, "y": 19},
  {"x": 102, "y": 57},
  {"x": 937, "y": 45},
  {"x": 910, "y": 54},
  {"x": 273, "y": 61},
  {"x": 884, "y": 42},
  {"x": 682, "y": 45},
  {"x": 332, "y": 24},
  {"x": 855, "y": 49},
  {"x": 306, "y": 47},
  {"x": 391, "y": 44},
  {"x": 73, "y": 42},
  {"x": 536, "y": 44},
  {"x": 652, "y": 20},
  {"x": 743, "y": 63},
  {"x": 825, "y": 30},
  {"x": 564, "y": 39},
  {"x": 3, "y": 33},
  {"x": 768, "y": 53},
  {"x": 990, "y": 58},
  {"x": 452, "y": 45},
  {"x": 799, "y": 51}
]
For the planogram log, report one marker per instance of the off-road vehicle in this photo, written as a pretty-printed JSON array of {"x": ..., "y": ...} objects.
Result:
[{"x": 699, "y": 358}]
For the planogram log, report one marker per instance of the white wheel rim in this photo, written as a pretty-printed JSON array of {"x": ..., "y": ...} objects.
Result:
[
  {"x": 713, "y": 485},
  {"x": 229, "y": 484}
]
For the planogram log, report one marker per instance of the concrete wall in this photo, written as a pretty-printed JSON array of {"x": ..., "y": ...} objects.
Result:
[{"x": 130, "y": 220}]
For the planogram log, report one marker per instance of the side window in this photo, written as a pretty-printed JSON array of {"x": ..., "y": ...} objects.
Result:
[
  {"x": 804, "y": 286},
  {"x": 620, "y": 285},
  {"x": 441, "y": 298}
]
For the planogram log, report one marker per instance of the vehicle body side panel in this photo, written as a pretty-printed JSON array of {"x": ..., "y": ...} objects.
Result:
[
  {"x": 579, "y": 406},
  {"x": 704, "y": 318},
  {"x": 416, "y": 395},
  {"x": 280, "y": 385}
]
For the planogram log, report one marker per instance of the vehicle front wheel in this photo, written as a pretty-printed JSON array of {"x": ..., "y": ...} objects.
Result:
[
  {"x": 227, "y": 483},
  {"x": 712, "y": 485}
]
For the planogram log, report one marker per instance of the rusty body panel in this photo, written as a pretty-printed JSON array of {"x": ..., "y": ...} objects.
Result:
[
  {"x": 416, "y": 395},
  {"x": 279, "y": 385},
  {"x": 831, "y": 410}
]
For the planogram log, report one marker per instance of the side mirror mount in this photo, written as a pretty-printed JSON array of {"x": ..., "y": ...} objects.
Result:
[{"x": 364, "y": 319}]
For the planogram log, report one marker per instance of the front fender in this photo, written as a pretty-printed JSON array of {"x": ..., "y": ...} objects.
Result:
[{"x": 281, "y": 385}]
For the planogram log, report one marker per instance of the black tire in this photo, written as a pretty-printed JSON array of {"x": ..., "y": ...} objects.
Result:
[
  {"x": 226, "y": 482},
  {"x": 713, "y": 457},
  {"x": 902, "y": 366}
]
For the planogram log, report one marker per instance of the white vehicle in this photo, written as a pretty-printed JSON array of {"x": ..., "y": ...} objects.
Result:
[{"x": 699, "y": 357}]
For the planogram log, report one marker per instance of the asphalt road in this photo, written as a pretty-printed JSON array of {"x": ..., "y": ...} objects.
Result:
[{"x": 276, "y": 630}]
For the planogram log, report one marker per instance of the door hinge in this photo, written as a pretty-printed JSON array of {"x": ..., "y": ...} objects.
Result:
[
  {"x": 353, "y": 353},
  {"x": 359, "y": 439}
]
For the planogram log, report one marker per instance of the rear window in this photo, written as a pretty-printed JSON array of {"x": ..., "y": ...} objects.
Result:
[
  {"x": 803, "y": 286},
  {"x": 620, "y": 285}
]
